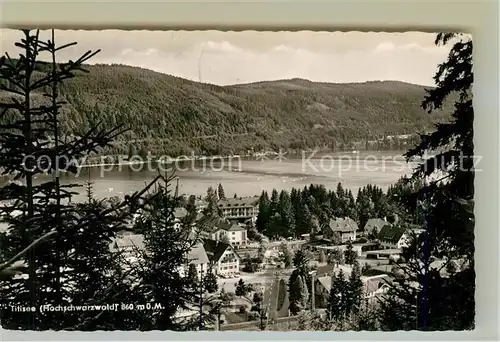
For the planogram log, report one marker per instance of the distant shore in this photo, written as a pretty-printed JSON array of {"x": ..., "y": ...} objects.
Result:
[{"x": 123, "y": 160}]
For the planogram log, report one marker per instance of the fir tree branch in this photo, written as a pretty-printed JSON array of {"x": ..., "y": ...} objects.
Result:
[{"x": 27, "y": 249}]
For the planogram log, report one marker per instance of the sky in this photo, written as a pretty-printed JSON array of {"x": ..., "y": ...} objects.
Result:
[{"x": 224, "y": 58}]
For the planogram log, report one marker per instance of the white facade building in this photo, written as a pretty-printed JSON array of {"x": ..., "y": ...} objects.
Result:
[{"x": 239, "y": 208}]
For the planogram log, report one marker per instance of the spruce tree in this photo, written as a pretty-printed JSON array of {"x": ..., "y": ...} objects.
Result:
[
  {"x": 334, "y": 204},
  {"x": 212, "y": 209},
  {"x": 101, "y": 275},
  {"x": 302, "y": 269},
  {"x": 365, "y": 208},
  {"x": 355, "y": 294},
  {"x": 275, "y": 204},
  {"x": 241, "y": 289},
  {"x": 286, "y": 214},
  {"x": 287, "y": 256},
  {"x": 350, "y": 255},
  {"x": 32, "y": 142},
  {"x": 303, "y": 220},
  {"x": 300, "y": 260},
  {"x": 298, "y": 295},
  {"x": 341, "y": 201},
  {"x": 192, "y": 275},
  {"x": 222, "y": 194},
  {"x": 351, "y": 208},
  {"x": 438, "y": 303},
  {"x": 211, "y": 282},
  {"x": 166, "y": 253},
  {"x": 336, "y": 309},
  {"x": 264, "y": 215}
]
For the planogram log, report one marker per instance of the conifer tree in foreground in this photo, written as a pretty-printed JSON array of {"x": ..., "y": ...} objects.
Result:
[
  {"x": 299, "y": 295},
  {"x": 350, "y": 255},
  {"x": 210, "y": 282},
  {"x": 166, "y": 253},
  {"x": 424, "y": 298},
  {"x": 338, "y": 298},
  {"x": 355, "y": 293},
  {"x": 33, "y": 143}
]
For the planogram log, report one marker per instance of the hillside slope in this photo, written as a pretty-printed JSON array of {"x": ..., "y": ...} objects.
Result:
[{"x": 188, "y": 115}]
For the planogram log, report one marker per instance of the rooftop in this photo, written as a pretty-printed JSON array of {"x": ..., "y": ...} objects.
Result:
[
  {"x": 375, "y": 223},
  {"x": 180, "y": 212},
  {"x": 370, "y": 284},
  {"x": 128, "y": 241},
  {"x": 215, "y": 249},
  {"x": 235, "y": 228},
  {"x": 326, "y": 281},
  {"x": 391, "y": 234},
  {"x": 213, "y": 223},
  {"x": 343, "y": 225},
  {"x": 198, "y": 255},
  {"x": 239, "y": 202}
]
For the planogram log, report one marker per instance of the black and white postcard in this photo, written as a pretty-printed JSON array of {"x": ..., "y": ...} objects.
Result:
[{"x": 236, "y": 181}]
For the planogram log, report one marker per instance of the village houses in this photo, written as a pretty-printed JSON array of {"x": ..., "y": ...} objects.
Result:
[
  {"x": 342, "y": 228},
  {"x": 198, "y": 257},
  {"x": 223, "y": 257},
  {"x": 219, "y": 239},
  {"x": 373, "y": 286},
  {"x": 239, "y": 207},
  {"x": 219, "y": 229},
  {"x": 374, "y": 225},
  {"x": 215, "y": 256},
  {"x": 392, "y": 237},
  {"x": 395, "y": 237}
]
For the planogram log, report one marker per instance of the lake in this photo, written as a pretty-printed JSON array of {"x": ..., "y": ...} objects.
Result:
[{"x": 248, "y": 176}]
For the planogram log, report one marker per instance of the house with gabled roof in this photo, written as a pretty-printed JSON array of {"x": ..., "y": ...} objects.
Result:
[
  {"x": 239, "y": 207},
  {"x": 219, "y": 229},
  {"x": 343, "y": 228},
  {"x": 393, "y": 237},
  {"x": 131, "y": 244},
  {"x": 236, "y": 235},
  {"x": 373, "y": 286},
  {"x": 198, "y": 257},
  {"x": 374, "y": 226},
  {"x": 222, "y": 256},
  {"x": 210, "y": 226}
]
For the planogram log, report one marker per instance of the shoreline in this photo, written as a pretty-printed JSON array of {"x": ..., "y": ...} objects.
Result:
[{"x": 256, "y": 156}]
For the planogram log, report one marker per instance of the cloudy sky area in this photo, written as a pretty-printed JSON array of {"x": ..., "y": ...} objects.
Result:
[{"x": 241, "y": 57}]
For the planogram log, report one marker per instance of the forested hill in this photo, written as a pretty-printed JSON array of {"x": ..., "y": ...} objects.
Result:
[{"x": 189, "y": 115}]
